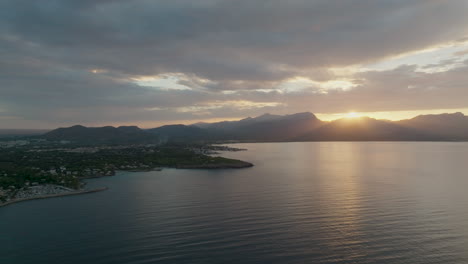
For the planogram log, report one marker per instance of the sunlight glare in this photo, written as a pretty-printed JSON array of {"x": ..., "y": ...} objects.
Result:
[{"x": 352, "y": 115}]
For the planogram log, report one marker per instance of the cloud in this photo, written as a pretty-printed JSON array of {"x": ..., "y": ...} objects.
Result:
[
  {"x": 461, "y": 53},
  {"x": 229, "y": 40},
  {"x": 403, "y": 88},
  {"x": 67, "y": 61}
]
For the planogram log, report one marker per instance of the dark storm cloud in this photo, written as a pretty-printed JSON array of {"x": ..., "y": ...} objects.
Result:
[
  {"x": 234, "y": 40},
  {"x": 49, "y": 47}
]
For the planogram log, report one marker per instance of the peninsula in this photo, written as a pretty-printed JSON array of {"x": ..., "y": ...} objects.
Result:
[{"x": 37, "y": 168}]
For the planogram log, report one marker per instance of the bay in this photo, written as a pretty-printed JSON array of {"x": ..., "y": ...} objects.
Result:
[{"x": 316, "y": 202}]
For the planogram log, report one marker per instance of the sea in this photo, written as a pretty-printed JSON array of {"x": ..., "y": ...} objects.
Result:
[{"x": 315, "y": 202}]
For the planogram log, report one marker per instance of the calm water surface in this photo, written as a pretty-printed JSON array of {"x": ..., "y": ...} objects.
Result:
[{"x": 302, "y": 203}]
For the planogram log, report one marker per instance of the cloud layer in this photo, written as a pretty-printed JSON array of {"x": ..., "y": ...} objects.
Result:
[{"x": 78, "y": 61}]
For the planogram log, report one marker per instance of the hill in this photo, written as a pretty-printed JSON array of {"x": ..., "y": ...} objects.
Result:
[
  {"x": 107, "y": 134},
  {"x": 266, "y": 127},
  {"x": 367, "y": 129},
  {"x": 183, "y": 133},
  {"x": 296, "y": 127},
  {"x": 449, "y": 126}
]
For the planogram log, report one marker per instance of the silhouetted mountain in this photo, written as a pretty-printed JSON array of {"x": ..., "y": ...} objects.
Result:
[
  {"x": 234, "y": 125},
  {"x": 449, "y": 126},
  {"x": 107, "y": 134},
  {"x": 366, "y": 129},
  {"x": 183, "y": 133},
  {"x": 266, "y": 127}
]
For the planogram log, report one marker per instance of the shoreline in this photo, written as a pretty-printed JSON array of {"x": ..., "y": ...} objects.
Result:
[
  {"x": 53, "y": 196},
  {"x": 238, "y": 164}
]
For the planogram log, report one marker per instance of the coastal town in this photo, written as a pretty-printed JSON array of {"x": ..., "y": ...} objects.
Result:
[{"x": 37, "y": 168}]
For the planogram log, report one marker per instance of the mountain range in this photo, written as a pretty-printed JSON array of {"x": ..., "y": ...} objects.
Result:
[
  {"x": 107, "y": 134},
  {"x": 268, "y": 128}
]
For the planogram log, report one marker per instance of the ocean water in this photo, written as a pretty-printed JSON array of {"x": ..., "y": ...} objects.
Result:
[{"x": 330, "y": 202}]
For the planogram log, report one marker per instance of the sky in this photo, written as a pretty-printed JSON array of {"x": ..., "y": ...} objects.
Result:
[{"x": 156, "y": 62}]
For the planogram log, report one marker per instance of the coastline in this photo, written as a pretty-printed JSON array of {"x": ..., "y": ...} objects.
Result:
[
  {"x": 232, "y": 165},
  {"x": 220, "y": 163},
  {"x": 53, "y": 196}
]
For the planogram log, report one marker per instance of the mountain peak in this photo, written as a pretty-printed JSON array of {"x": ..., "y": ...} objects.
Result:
[
  {"x": 78, "y": 133},
  {"x": 76, "y": 127},
  {"x": 457, "y": 115},
  {"x": 129, "y": 129},
  {"x": 266, "y": 117},
  {"x": 304, "y": 115}
]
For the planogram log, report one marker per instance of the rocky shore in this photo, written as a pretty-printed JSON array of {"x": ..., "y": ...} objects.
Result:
[{"x": 43, "y": 192}]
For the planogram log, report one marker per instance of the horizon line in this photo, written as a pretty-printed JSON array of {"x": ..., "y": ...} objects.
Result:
[{"x": 320, "y": 116}]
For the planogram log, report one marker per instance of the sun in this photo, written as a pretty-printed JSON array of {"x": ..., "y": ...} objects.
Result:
[{"x": 352, "y": 115}]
